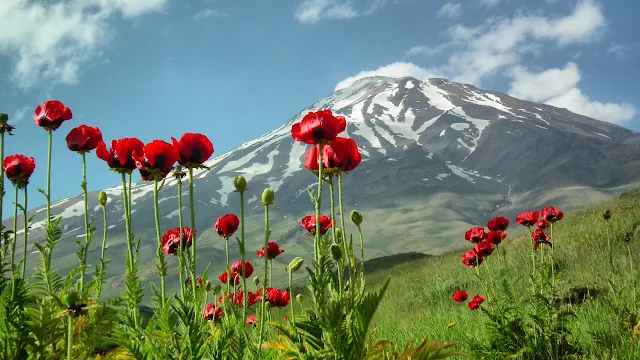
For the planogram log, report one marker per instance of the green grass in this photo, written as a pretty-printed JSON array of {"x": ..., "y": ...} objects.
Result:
[{"x": 418, "y": 301}]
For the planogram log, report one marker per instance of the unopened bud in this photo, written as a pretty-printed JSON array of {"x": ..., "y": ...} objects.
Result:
[
  {"x": 268, "y": 196},
  {"x": 217, "y": 288},
  {"x": 356, "y": 217},
  {"x": 4, "y": 118},
  {"x": 256, "y": 280},
  {"x": 207, "y": 286},
  {"x": 102, "y": 198},
  {"x": 339, "y": 235},
  {"x": 296, "y": 263},
  {"x": 336, "y": 252},
  {"x": 240, "y": 183},
  {"x": 299, "y": 298}
]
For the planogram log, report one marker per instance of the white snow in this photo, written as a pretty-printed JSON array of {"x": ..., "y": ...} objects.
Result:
[
  {"x": 536, "y": 115},
  {"x": 428, "y": 123},
  {"x": 442, "y": 176},
  {"x": 57, "y": 203},
  {"x": 501, "y": 117},
  {"x": 409, "y": 85},
  {"x": 382, "y": 99},
  {"x": 459, "y": 126},
  {"x": 442, "y": 132},
  {"x": 76, "y": 209},
  {"x": 253, "y": 198},
  {"x": 478, "y": 123},
  {"x": 259, "y": 168},
  {"x": 385, "y": 134},
  {"x": 540, "y": 126},
  {"x": 436, "y": 96},
  {"x": 111, "y": 226},
  {"x": 227, "y": 187},
  {"x": 392, "y": 159},
  {"x": 603, "y": 135},
  {"x": 363, "y": 130},
  {"x": 175, "y": 213}
]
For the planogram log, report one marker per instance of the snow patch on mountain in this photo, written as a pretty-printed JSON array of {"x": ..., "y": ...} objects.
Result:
[{"x": 603, "y": 135}]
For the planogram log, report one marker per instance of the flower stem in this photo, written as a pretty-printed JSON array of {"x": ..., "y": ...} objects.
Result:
[
  {"x": 86, "y": 219},
  {"x": 49, "y": 180},
  {"x": 13, "y": 243},
  {"x": 192, "y": 214},
  {"x": 69, "y": 338},
  {"x": 104, "y": 245},
  {"x": 333, "y": 235},
  {"x": 533, "y": 262},
  {"x": 553, "y": 260},
  {"x": 264, "y": 282},
  {"x": 243, "y": 270},
  {"x": 292, "y": 302},
  {"x": 2, "y": 190},
  {"x": 180, "y": 254},
  {"x": 318, "y": 204},
  {"x": 127, "y": 220},
  {"x": 271, "y": 273},
  {"x": 609, "y": 248},
  {"x": 361, "y": 248},
  {"x": 25, "y": 225},
  {"x": 159, "y": 251}
]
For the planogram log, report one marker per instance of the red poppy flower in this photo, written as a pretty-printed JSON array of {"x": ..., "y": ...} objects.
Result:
[
  {"x": 498, "y": 224},
  {"x": 237, "y": 298},
  {"x": 460, "y": 296},
  {"x": 224, "y": 278},
  {"x": 484, "y": 248},
  {"x": 171, "y": 240},
  {"x": 212, "y": 312},
  {"x": 227, "y": 225},
  {"x": 539, "y": 237},
  {"x": 496, "y": 237},
  {"x": 278, "y": 298},
  {"x": 259, "y": 293},
  {"x": 198, "y": 282},
  {"x": 471, "y": 259},
  {"x": 19, "y": 169},
  {"x": 309, "y": 223},
  {"x": 193, "y": 149},
  {"x": 475, "y": 235},
  {"x": 51, "y": 115},
  {"x": 474, "y": 304},
  {"x": 341, "y": 154},
  {"x": 84, "y": 138},
  {"x": 316, "y": 127},
  {"x": 157, "y": 158},
  {"x": 552, "y": 214},
  {"x": 251, "y": 320},
  {"x": 273, "y": 250},
  {"x": 236, "y": 267},
  {"x": 542, "y": 224},
  {"x": 120, "y": 156},
  {"x": 528, "y": 218}
]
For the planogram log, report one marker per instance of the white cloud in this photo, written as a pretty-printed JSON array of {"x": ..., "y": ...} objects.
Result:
[
  {"x": 50, "y": 42},
  {"x": 19, "y": 115},
  {"x": 313, "y": 11},
  {"x": 617, "y": 50},
  {"x": 489, "y": 3},
  {"x": 502, "y": 47},
  {"x": 450, "y": 10},
  {"x": 209, "y": 13},
  {"x": 395, "y": 70}
]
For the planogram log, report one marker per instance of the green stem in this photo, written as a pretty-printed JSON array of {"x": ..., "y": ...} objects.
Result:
[
  {"x": 69, "y": 338},
  {"x": 192, "y": 214},
  {"x": 159, "y": 250},
  {"x": 2, "y": 187},
  {"x": 264, "y": 282},
  {"x": 318, "y": 204},
  {"x": 129, "y": 198},
  {"x": 180, "y": 254},
  {"x": 533, "y": 261},
  {"x": 361, "y": 248},
  {"x": 13, "y": 243},
  {"x": 104, "y": 245},
  {"x": 609, "y": 248},
  {"x": 86, "y": 219},
  {"x": 244, "y": 280},
  {"x": 292, "y": 302},
  {"x": 333, "y": 235},
  {"x": 271, "y": 273},
  {"x": 25, "y": 225},
  {"x": 228, "y": 269},
  {"x": 127, "y": 220},
  {"x": 49, "y": 179},
  {"x": 553, "y": 259}
]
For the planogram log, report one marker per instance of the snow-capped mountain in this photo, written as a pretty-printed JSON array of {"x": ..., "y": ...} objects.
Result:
[{"x": 438, "y": 156}]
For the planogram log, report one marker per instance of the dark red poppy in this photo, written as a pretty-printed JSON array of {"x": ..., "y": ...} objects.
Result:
[
  {"x": 484, "y": 248},
  {"x": 540, "y": 237},
  {"x": 278, "y": 298},
  {"x": 316, "y": 127},
  {"x": 237, "y": 298},
  {"x": 236, "y": 267},
  {"x": 157, "y": 158},
  {"x": 341, "y": 154},
  {"x": 460, "y": 296},
  {"x": 475, "y": 235},
  {"x": 120, "y": 156},
  {"x": 495, "y": 237},
  {"x": 251, "y": 320},
  {"x": 19, "y": 169},
  {"x": 227, "y": 225},
  {"x": 198, "y": 282},
  {"x": 193, "y": 149},
  {"x": 552, "y": 214},
  {"x": 259, "y": 293},
  {"x": 273, "y": 250},
  {"x": 528, "y": 218},
  {"x": 542, "y": 224},
  {"x": 309, "y": 223},
  {"x": 212, "y": 312},
  {"x": 51, "y": 114},
  {"x": 171, "y": 240},
  {"x": 474, "y": 304},
  {"x": 498, "y": 224},
  {"x": 224, "y": 278},
  {"x": 84, "y": 138},
  {"x": 471, "y": 259}
]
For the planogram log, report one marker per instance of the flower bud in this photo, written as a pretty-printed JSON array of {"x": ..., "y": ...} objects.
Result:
[
  {"x": 102, "y": 198},
  {"x": 4, "y": 118},
  {"x": 240, "y": 183},
  {"x": 356, "y": 217},
  {"x": 207, "y": 286},
  {"x": 256, "y": 280},
  {"x": 267, "y": 197},
  {"x": 336, "y": 252},
  {"x": 339, "y": 235},
  {"x": 606, "y": 215},
  {"x": 299, "y": 298},
  {"x": 296, "y": 263},
  {"x": 217, "y": 288},
  {"x": 70, "y": 298}
]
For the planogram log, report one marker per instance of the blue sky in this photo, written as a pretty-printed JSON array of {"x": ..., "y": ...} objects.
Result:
[{"x": 235, "y": 70}]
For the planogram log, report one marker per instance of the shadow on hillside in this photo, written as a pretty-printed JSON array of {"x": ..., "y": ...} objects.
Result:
[{"x": 386, "y": 262}]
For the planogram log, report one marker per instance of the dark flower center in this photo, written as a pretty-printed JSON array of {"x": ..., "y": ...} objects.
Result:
[
  {"x": 196, "y": 154},
  {"x": 159, "y": 164},
  {"x": 318, "y": 133}
]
